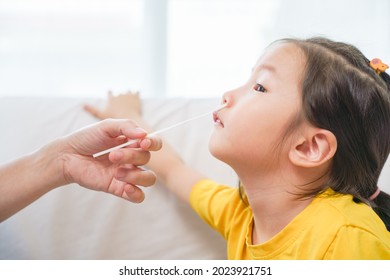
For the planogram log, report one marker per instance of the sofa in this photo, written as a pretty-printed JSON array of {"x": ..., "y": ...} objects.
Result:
[
  {"x": 75, "y": 223},
  {"x": 72, "y": 222}
]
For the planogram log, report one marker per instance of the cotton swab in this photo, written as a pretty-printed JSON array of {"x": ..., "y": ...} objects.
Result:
[{"x": 158, "y": 132}]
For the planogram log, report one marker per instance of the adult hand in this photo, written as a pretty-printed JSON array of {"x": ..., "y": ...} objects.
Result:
[
  {"x": 118, "y": 173},
  {"x": 69, "y": 160}
]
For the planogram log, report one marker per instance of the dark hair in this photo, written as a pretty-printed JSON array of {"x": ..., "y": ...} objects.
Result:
[{"x": 343, "y": 94}]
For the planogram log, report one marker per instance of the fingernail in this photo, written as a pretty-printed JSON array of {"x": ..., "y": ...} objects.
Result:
[
  {"x": 130, "y": 131},
  {"x": 140, "y": 129},
  {"x": 146, "y": 143}
]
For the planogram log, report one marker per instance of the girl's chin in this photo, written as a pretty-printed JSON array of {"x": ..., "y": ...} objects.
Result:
[
  {"x": 219, "y": 147},
  {"x": 216, "y": 150}
]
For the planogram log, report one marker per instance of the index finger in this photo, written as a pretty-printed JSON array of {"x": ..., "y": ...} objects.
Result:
[{"x": 128, "y": 128}]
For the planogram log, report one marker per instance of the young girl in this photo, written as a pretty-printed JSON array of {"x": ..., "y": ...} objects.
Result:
[{"x": 308, "y": 135}]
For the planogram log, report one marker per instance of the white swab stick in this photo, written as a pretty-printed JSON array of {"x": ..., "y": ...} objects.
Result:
[{"x": 157, "y": 132}]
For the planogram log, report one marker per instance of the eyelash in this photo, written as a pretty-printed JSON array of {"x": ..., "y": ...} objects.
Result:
[{"x": 260, "y": 88}]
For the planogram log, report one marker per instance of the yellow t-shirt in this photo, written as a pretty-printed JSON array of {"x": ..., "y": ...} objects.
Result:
[{"x": 333, "y": 226}]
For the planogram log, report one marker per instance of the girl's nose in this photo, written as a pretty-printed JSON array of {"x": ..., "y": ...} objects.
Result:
[{"x": 227, "y": 98}]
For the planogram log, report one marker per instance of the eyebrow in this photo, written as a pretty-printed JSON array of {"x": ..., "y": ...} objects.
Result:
[{"x": 265, "y": 67}]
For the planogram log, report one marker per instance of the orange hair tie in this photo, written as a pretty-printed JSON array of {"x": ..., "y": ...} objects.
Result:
[{"x": 378, "y": 65}]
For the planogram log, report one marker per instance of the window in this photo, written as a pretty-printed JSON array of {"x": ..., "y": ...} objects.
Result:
[
  {"x": 71, "y": 47},
  {"x": 188, "y": 48}
]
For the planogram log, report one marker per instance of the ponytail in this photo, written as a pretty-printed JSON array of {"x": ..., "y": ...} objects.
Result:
[{"x": 381, "y": 205}]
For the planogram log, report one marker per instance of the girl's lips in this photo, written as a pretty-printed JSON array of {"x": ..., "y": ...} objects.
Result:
[{"x": 217, "y": 120}]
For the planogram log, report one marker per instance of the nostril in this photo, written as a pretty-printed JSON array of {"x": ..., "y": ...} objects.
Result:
[{"x": 226, "y": 102}]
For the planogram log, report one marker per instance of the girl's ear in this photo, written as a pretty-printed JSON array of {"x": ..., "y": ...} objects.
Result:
[{"x": 314, "y": 148}]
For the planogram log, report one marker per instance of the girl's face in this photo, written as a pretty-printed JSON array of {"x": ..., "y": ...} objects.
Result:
[{"x": 249, "y": 129}]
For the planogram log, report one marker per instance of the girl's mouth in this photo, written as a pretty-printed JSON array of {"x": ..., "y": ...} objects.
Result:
[{"x": 217, "y": 120}]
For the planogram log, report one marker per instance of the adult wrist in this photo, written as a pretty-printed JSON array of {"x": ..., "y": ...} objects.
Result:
[{"x": 49, "y": 160}]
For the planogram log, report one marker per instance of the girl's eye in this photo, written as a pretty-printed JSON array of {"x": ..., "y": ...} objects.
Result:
[{"x": 259, "y": 87}]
